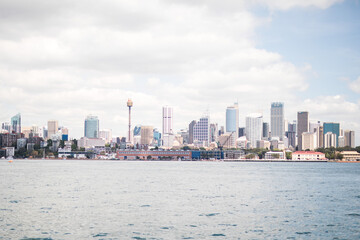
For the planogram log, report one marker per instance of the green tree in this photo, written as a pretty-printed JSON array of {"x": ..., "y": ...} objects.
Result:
[
  {"x": 149, "y": 157},
  {"x": 250, "y": 156},
  {"x": 288, "y": 155},
  {"x": 275, "y": 155},
  {"x": 62, "y": 144}
]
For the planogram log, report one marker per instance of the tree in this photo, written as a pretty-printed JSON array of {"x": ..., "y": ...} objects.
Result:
[
  {"x": 149, "y": 157},
  {"x": 49, "y": 143},
  {"x": 250, "y": 156},
  {"x": 275, "y": 156},
  {"x": 288, "y": 155},
  {"x": 62, "y": 144}
]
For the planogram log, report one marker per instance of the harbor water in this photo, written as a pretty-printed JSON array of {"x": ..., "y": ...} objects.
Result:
[{"x": 69, "y": 199}]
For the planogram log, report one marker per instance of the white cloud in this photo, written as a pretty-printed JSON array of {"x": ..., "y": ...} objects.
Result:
[
  {"x": 355, "y": 85},
  {"x": 68, "y": 60}
]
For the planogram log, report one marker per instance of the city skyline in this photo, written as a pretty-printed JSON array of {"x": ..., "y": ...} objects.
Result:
[{"x": 305, "y": 54}]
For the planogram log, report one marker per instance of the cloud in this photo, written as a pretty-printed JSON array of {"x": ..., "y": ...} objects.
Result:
[
  {"x": 65, "y": 60},
  {"x": 355, "y": 85}
]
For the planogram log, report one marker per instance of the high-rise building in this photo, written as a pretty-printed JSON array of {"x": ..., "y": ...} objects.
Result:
[
  {"x": 6, "y": 126},
  {"x": 214, "y": 133},
  {"x": 333, "y": 128},
  {"x": 106, "y": 134},
  {"x": 91, "y": 129},
  {"x": 202, "y": 131},
  {"x": 291, "y": 134},
  {"x": 309, "y": 141},
  {"x": 232, "y": 119},
  {"x": 320, "y": 136},
  {"x": 137, "y": 130},
  {"x": 53, "y": 127},
  {"x": 147, "y": 135},
  {"x": 302, "y": 126},
  {"x": 241, "y": 132},
  {"x": 349, "y": 138},
  {"x": 254, "y": 125},
  {"x": 330, "y": 140},
  {"x": 265, "y": 134},
  {"x": 167, "y": 120},
  {"x": 313, "y": 126},
  {"x": 16, "y": 123},
  {"x": 277, "y": 120},
  {"x": 191, "y": 131}
]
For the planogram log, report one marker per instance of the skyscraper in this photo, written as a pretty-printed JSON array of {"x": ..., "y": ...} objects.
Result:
[
  {"x": 333, "y": 128},
  {"x": 349, "y": 138},
  {"x": 302, "y": 126},
  {"x": 277, "y": 120},
  {"x": 91, "y": 129},
  {"x": 265, "y": 131},
  {"x": 191, "y": 131},
  {"x": 232, "y": 119},
  {"x": 147, "y": 135},
  {"x": 202, "y": 131},
  {"x": 16, "y": 123},
  {"x": 167, "y": 120},
  {"x": 53, "y": 127},
  {"x": 253, "y": 129}
]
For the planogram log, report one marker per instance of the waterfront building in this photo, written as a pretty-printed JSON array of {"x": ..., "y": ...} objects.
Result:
[
  {"x": 91, "y": 127},
  {"x": 333, "y": 128},
  {"x": 242, "y": 142},
  {"x": 147, "y": 135},
  {"x": 302, "y": 126},
  {"x": 21, "y": 143},
  {"x": 52, "y": 127},
  {"x": 191, "y": 131},
  {"x": 227, "y": 140},
  {"x": 16, "y": 123},
  {"x": 330, "y": 140},
  {"x": 202, "y": 131},
  {"x": 308, "y": 156},
  {"x": 277, "y": 120},
  {"x": 266, "y": 131},
  {"x": 158, "y": 155},
  {"x": 167, "y": 120},
  {"x": 309, "y": 141},
  {"x": 254, "y": 131},
  {"x": 349, "y": 138},
  {"x": 350, "y": 156},
  {"x": 274, "y": 155},
  {"x": 232, "y": 119}
]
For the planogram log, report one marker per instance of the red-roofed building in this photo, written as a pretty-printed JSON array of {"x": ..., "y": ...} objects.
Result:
[{"x": 308, "y": 156}]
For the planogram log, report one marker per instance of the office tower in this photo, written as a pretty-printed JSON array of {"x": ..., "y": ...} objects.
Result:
[
  {"x": 6, "y": 126},
  {"x": 349, "y": 138},
  {"x": 16, "y": 123},
  {"x": 157, "y": 137},
  {"x": 333, "y": 128},
  {"x": 232, "y": 119},
  {"x": 265, "y": 134},
  {"x": 191, "y": 131},
  {"x": 302, "y": 126},
  {"x": 147, "y": 135},
  {"x": 91, "y": 129},
  {"x": 309, "y": 141},
  {"x": 222, "y": 130},
  {"x": 241, "y": 132},
  {"x": 341, "y": 141},
  {"x": 201, "y": 131},
  {"x": 313, "y": 126},
  {"x": 330, "y": 140},
  {"x": 291, "y": 134},
  {"x": 167, "y": 120},
  {"x": 277, "y": 120},
  {"x": 320, "y": 136},
  {"x": 137, "y": 130},
  {"x": 254, "y": 125},
  {"x": 52, "y": 128},
  {"x": 129, "y": 105},
  {"x": 214, "y": 133},
  {"x": 106, "y": 134}
]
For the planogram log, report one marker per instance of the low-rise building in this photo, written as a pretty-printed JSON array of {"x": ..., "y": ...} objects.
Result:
[
  {"x": 350, "y": 155},
  {"x": 308, "y": 156},
  {"x": 274, "y": 155}
]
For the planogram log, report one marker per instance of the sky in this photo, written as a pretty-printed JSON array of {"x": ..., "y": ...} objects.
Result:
[{"x": 65, "y": 60}]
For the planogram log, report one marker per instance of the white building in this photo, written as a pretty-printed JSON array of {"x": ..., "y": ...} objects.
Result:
[
  {"x": 309, "y": 140},
  {"x": 106, "y": 134},
  {"x": 308, "y": 156},
  {"x": 254, "y": 124},
  {"x": 167, "y": 120},
  {"x": 330, "y": 140},
  {"x": 85, "y": 142},
  {"x": 274, "y": 155},
  {"x": 201, "y": 132},
  {"x": 52, "y": 128}
]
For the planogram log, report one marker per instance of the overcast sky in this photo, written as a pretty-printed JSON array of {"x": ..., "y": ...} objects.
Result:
[{"x": 65, "y": 60}]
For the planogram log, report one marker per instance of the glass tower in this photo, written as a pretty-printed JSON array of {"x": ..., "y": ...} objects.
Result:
[
  {"x": 92, "y": 127},
  {"x": 277, "y": 120},
  {"x": 16, "y": 123}
]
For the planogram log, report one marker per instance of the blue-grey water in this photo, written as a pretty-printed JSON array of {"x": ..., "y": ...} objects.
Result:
[{"x": 178, "y": 200}]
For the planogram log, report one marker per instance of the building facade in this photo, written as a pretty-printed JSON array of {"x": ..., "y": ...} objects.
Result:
[
  {"x": 91, "y": 127},
  {"x": 16, "y": 123},
  {"x": 302, "y": 126},
  {"x": 202, "y": 131},
  {"x": 52, "y": 127},
  {"x": 254, "y": 131},
  {"x": 232, "y": 119},
  {"x": 330, "y": 127},
  {"x": 147, "y": 135},
  {"x": 167, "y": 120},
  {"x": 277, "y": 120},
  {"x": 349, "y": 138}
]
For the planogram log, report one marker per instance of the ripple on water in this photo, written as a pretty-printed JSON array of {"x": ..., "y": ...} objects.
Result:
[
  {"x": 26, "y": 238},
  {"x": 303, "y": 233},
  {"x": 209, "y": 214},
  {"x": 218, "y": 235},
  {"x": 101, "y": 235},
  {"x": 145, "y": 206},
  {"x": 353, "y": 215},
  {"x": 139, "y": 238}
]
